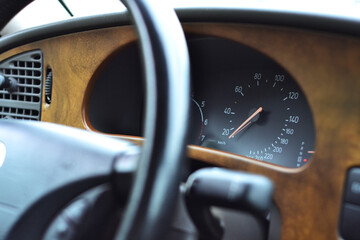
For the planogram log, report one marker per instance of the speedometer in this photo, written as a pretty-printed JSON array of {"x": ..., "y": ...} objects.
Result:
[{"x": 249, "y": 105}]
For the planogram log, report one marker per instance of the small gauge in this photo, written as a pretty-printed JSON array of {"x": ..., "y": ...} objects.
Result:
[{"x": 198, "y": 121}]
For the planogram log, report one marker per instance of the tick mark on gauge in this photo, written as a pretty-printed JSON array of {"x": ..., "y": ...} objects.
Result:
[
  {"x": 285, "y": 99},
  {"x": 281, "y": 89},
  {"x": 286, "y": 121},
  {"x": 249, "y": 85},
  {"x": 279, "y": 138},
  {"x": 288, "y": 109},
  {"x": 274, "y": 84},
  {"x": 266, "y": 81},
  {"x": 257, "y": 83},
  {"x": 232, "y": 128},
  {"x": 232, "y": 113}
]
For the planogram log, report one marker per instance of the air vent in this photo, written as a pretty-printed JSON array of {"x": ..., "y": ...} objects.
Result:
[{"x": 25, "y": 101}]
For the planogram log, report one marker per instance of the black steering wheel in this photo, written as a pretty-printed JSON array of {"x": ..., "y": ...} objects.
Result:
[{"x": 48, "y": 147}]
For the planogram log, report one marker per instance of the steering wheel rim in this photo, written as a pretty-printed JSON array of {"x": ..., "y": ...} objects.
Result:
[{"x": 166, "y": 64}]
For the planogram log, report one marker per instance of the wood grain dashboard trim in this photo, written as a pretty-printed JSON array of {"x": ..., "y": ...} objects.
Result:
[{"x": 326, "y": 67}]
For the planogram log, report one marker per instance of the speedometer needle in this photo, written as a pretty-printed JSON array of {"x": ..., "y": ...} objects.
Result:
[{"x": 246, "y": 122}]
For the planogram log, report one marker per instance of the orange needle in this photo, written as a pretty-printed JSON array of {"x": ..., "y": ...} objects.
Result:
[{"x": 246, "y": 122}]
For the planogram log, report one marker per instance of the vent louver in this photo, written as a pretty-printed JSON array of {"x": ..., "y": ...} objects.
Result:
[{"x": 25, "y": 102}]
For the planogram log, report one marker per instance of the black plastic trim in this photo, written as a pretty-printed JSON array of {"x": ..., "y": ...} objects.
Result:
[
  {"x": 300, "y": 20},
  {"x": 282, "y": 18}
]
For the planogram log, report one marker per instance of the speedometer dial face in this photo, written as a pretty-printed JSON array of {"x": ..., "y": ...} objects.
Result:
[{"x": 255, "y": 109}]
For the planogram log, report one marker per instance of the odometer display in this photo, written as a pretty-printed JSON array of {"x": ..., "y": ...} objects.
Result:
[{"x": 251, "y": 106}]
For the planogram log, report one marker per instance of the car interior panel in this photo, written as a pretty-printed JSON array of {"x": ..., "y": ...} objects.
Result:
[{"x": 273, "y": 123}]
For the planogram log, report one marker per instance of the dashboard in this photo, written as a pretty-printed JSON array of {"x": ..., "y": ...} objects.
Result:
[{"x": 273, "y": 100}]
